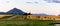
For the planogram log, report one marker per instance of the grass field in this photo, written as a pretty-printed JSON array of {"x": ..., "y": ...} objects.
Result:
[{"x": 25, "y": 23}]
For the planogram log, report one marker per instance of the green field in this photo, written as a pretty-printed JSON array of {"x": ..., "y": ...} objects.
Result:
[{"x": 25, "y": 23}]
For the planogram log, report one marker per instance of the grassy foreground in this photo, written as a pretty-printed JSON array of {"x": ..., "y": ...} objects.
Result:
[{"x": 25, "y": 23}]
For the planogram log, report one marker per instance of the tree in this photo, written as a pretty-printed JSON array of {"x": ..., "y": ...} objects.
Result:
[{"x": 27, "y": 14}]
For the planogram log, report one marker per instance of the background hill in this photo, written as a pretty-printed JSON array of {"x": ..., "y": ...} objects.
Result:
[
  {"x": 2, "y": 12},
  {"x": 43, "y": 14},
  {"x": 15, "y": 11}
]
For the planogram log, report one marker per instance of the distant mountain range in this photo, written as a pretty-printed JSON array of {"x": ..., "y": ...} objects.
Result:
[
  {"x": 14, "y": 11},
  {"x": 43, "y": 14},
  {"x": 2, "y": 12}
]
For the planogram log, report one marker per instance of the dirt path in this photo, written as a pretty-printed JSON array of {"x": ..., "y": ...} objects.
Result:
[{"x": 12, "y": 17}]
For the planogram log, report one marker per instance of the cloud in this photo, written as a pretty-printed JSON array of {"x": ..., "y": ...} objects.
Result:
[
  {"x": 52, "y": 1},
  {"x": 56, "y": 1},
  {"x": 32, "y": 2}
]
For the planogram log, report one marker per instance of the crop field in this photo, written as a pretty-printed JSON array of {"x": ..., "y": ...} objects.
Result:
[
  {"x": 25, "y": 23},
  {"x": 22, "y": 21}
]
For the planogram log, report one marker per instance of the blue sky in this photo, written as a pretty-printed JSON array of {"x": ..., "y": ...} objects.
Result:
[{"x": 33, "y": 6}]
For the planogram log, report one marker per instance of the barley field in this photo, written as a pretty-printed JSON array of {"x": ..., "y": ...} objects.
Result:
[{"x": 19, "y": 20}]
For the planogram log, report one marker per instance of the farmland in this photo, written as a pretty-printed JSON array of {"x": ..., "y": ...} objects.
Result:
[
  {"x": 20, "y": 20},
  {"x": 25, "y": 23}
]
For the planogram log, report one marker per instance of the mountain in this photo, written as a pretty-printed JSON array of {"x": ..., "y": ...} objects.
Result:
[
  {"x": 58, "y": 14},
  {"x": 2, "y": 12},
  {"x": 43, "y": 14},
  {"x": 15, "y": 11}
]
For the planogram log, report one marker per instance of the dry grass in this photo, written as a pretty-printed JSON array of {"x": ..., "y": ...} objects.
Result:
[
  {"x": 1, "y": 16},
  {"x": 44, "y": 17},
  {"x": 31, "y": 17}
]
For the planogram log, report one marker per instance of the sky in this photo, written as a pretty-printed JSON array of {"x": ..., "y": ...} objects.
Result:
[{"x": 51, "y": 7}]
